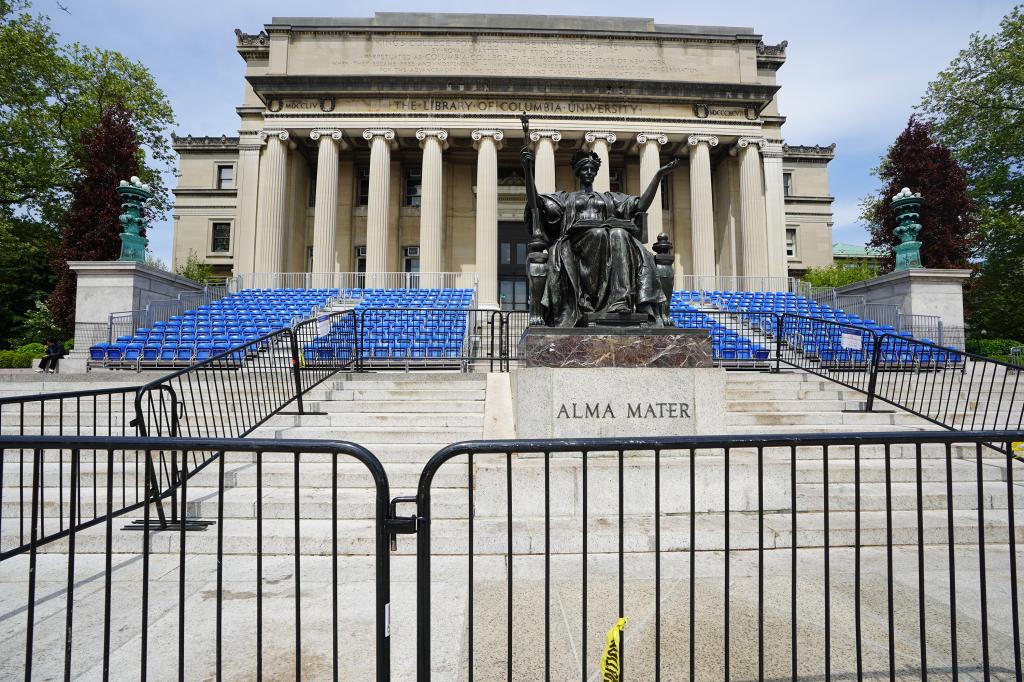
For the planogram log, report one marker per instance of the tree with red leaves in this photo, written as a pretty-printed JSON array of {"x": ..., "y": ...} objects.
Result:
[
  {"x": 90, "y": 228},
  {"x": 949, "y": 227}
]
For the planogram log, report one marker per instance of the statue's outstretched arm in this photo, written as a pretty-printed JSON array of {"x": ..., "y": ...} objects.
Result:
[{"x": 647, "y": 198}]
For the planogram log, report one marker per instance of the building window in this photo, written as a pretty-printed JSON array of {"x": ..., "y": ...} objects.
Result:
[
  {"x": 787, "y": 184},
  {"x": 505, "y": 257},
  {"x": 225, "y": 177},
  {"x": 221, "y": 238},
  {"x": 791, "y": 242},
  {"x": 362, "y": 186},
  {"x": 413, "y": 186}
]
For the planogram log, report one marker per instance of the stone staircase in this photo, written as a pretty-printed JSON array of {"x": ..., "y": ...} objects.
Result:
[{"x": 404, "y": 419}]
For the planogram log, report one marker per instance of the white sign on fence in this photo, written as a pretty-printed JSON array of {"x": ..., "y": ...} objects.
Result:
[
  {"x": 323, "y": 325},
  {"x": 850, "y": 339}
]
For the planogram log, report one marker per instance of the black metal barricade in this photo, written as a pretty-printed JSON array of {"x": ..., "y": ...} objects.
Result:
[
  {"x": 252, "y": 585},
  {"x": 831, "y": 556}
]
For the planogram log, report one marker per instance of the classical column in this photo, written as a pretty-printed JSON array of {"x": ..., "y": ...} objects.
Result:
[
  {"x": 752, "y": 224},
  {"x": 649, "y": 165},
  {"x": 431, "y": 207},
  {"x": 544, "y": 167},
  {"x": 244, "y": 239},
  {"x": 775, "y": 210},
  {"x": 270, "y": 237},
  {"x": 378, "y": 203},
  {"x": 325, "y": 214},
  {"x": 701, "y": 206},
  {"x": 598, "y": 142},
  {"x": 486, "y": 143}
]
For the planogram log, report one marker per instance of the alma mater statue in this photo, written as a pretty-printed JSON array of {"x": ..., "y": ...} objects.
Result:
[{"x": 588, "y": 262}]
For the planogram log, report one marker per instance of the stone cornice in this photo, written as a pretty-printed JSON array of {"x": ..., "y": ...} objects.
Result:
[
  {"x": 203, "y": 192},
  {"x": 805, "y": 199},
  {"x": 252, "y": 45},
  {"x": 204, "y": 143},
  {"x": 269, "y": 87},
  {"x": 429, "y": 23},
  {"x": 809, "y": 151}
]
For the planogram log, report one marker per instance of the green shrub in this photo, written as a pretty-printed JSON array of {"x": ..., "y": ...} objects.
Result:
[
  {"x": 69, "y": 345},
  {"x": 35, "y": 350},
  {"x": 992, "y": 348},
  {"x": 838, "y": 275},
  {"x": 12, "y": 359}
]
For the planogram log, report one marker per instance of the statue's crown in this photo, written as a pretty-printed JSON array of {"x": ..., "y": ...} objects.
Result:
[{"x": 582, "y": 156}]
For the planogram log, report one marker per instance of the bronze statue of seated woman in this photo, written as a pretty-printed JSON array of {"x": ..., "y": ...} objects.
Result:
[{"x": 588, "y": 259}]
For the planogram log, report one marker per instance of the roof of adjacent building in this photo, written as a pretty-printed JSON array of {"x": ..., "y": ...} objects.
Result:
[
  {"x": 855, "y": 251},
  {"x": 506, "y": 22}
]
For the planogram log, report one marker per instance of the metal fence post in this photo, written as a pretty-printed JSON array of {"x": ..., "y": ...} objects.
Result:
[
  {"x": 778, "y": 342},
  {"x": 296, "y": 369},
  {"x": 876, "y": 355}
]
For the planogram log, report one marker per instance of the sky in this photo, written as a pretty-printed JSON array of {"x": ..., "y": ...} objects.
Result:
[{"x": 854, "y": 68}]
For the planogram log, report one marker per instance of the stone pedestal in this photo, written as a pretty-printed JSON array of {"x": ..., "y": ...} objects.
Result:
[
  {"x": 618, "y": 402},
  {"x": 106, "y": 287},
  {"x": 615, "y": 347},
  {"x": 923, "y": 291}
]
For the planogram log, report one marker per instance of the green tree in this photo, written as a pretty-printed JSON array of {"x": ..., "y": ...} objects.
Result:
[
  {"x": 195, "y": 269},
  {"x": 50, "y": 94},
  {"x": 949, "y": 228},
  {"x": 976, "y": 108},
  {"x": 25, "y": 275},
  {"x": 838, "y": 275}
]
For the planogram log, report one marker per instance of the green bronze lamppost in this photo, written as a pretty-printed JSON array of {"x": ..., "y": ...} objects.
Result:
[
  {"x": 907, "y": 206},
  {"x": 133, "y": 195}
]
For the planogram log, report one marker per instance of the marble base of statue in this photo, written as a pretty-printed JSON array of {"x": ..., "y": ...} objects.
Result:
[{"x": 615, "y": 346}]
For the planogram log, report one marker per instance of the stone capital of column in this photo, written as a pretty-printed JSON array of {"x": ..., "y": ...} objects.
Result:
[
  {"x": 279, "y": 134},
  {"x": 644, "y": 138},
  {"x": 772, "y": 150},
  {"x": 709, "y": 140},
  {"x": 478, "y": 135},
  {"x": 442, "y": 136},
  {"x": 333, "y": 133},
  {"x": 745, "y": 142},
  {"x": 594, "y": 135},
  {"x": 387, "y": 133},
  {"x": 250, "y": 140},
  {"x": 536, "y": 135}
]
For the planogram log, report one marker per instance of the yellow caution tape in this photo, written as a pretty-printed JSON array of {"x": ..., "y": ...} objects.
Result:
[
  {"x": 1018, "y": 450},
  {"x": 611, "y": 663}
]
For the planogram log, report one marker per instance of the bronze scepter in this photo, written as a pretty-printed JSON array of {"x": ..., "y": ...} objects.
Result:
[{"x": 538, "y": 242}]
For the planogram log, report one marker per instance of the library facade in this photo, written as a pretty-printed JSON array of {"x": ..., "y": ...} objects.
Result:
[{"x": 391, "y": 144}]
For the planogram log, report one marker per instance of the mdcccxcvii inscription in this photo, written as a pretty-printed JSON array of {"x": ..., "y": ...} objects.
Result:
[{"x": 599, "y": 410}]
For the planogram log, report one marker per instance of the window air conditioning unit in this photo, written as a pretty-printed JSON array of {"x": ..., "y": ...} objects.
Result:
[
  {"x": 412, "y": 251},
  {"x": 360, "y": 252}
]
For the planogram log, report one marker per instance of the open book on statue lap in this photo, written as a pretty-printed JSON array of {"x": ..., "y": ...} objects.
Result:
[{"x": 586, "y": 224}]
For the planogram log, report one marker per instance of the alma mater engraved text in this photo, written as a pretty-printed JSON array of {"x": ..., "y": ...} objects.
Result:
[{"x": 631, "y": 411}]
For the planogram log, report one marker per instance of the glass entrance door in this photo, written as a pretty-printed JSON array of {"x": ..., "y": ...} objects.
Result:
[{"x": 512, "y": 250}]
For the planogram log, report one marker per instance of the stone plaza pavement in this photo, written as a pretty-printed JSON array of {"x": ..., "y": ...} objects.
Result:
[{"x": 449, "y": 641}]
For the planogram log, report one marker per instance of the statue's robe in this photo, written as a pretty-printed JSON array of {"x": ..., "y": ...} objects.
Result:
[{"x": 596, "y": 262}]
